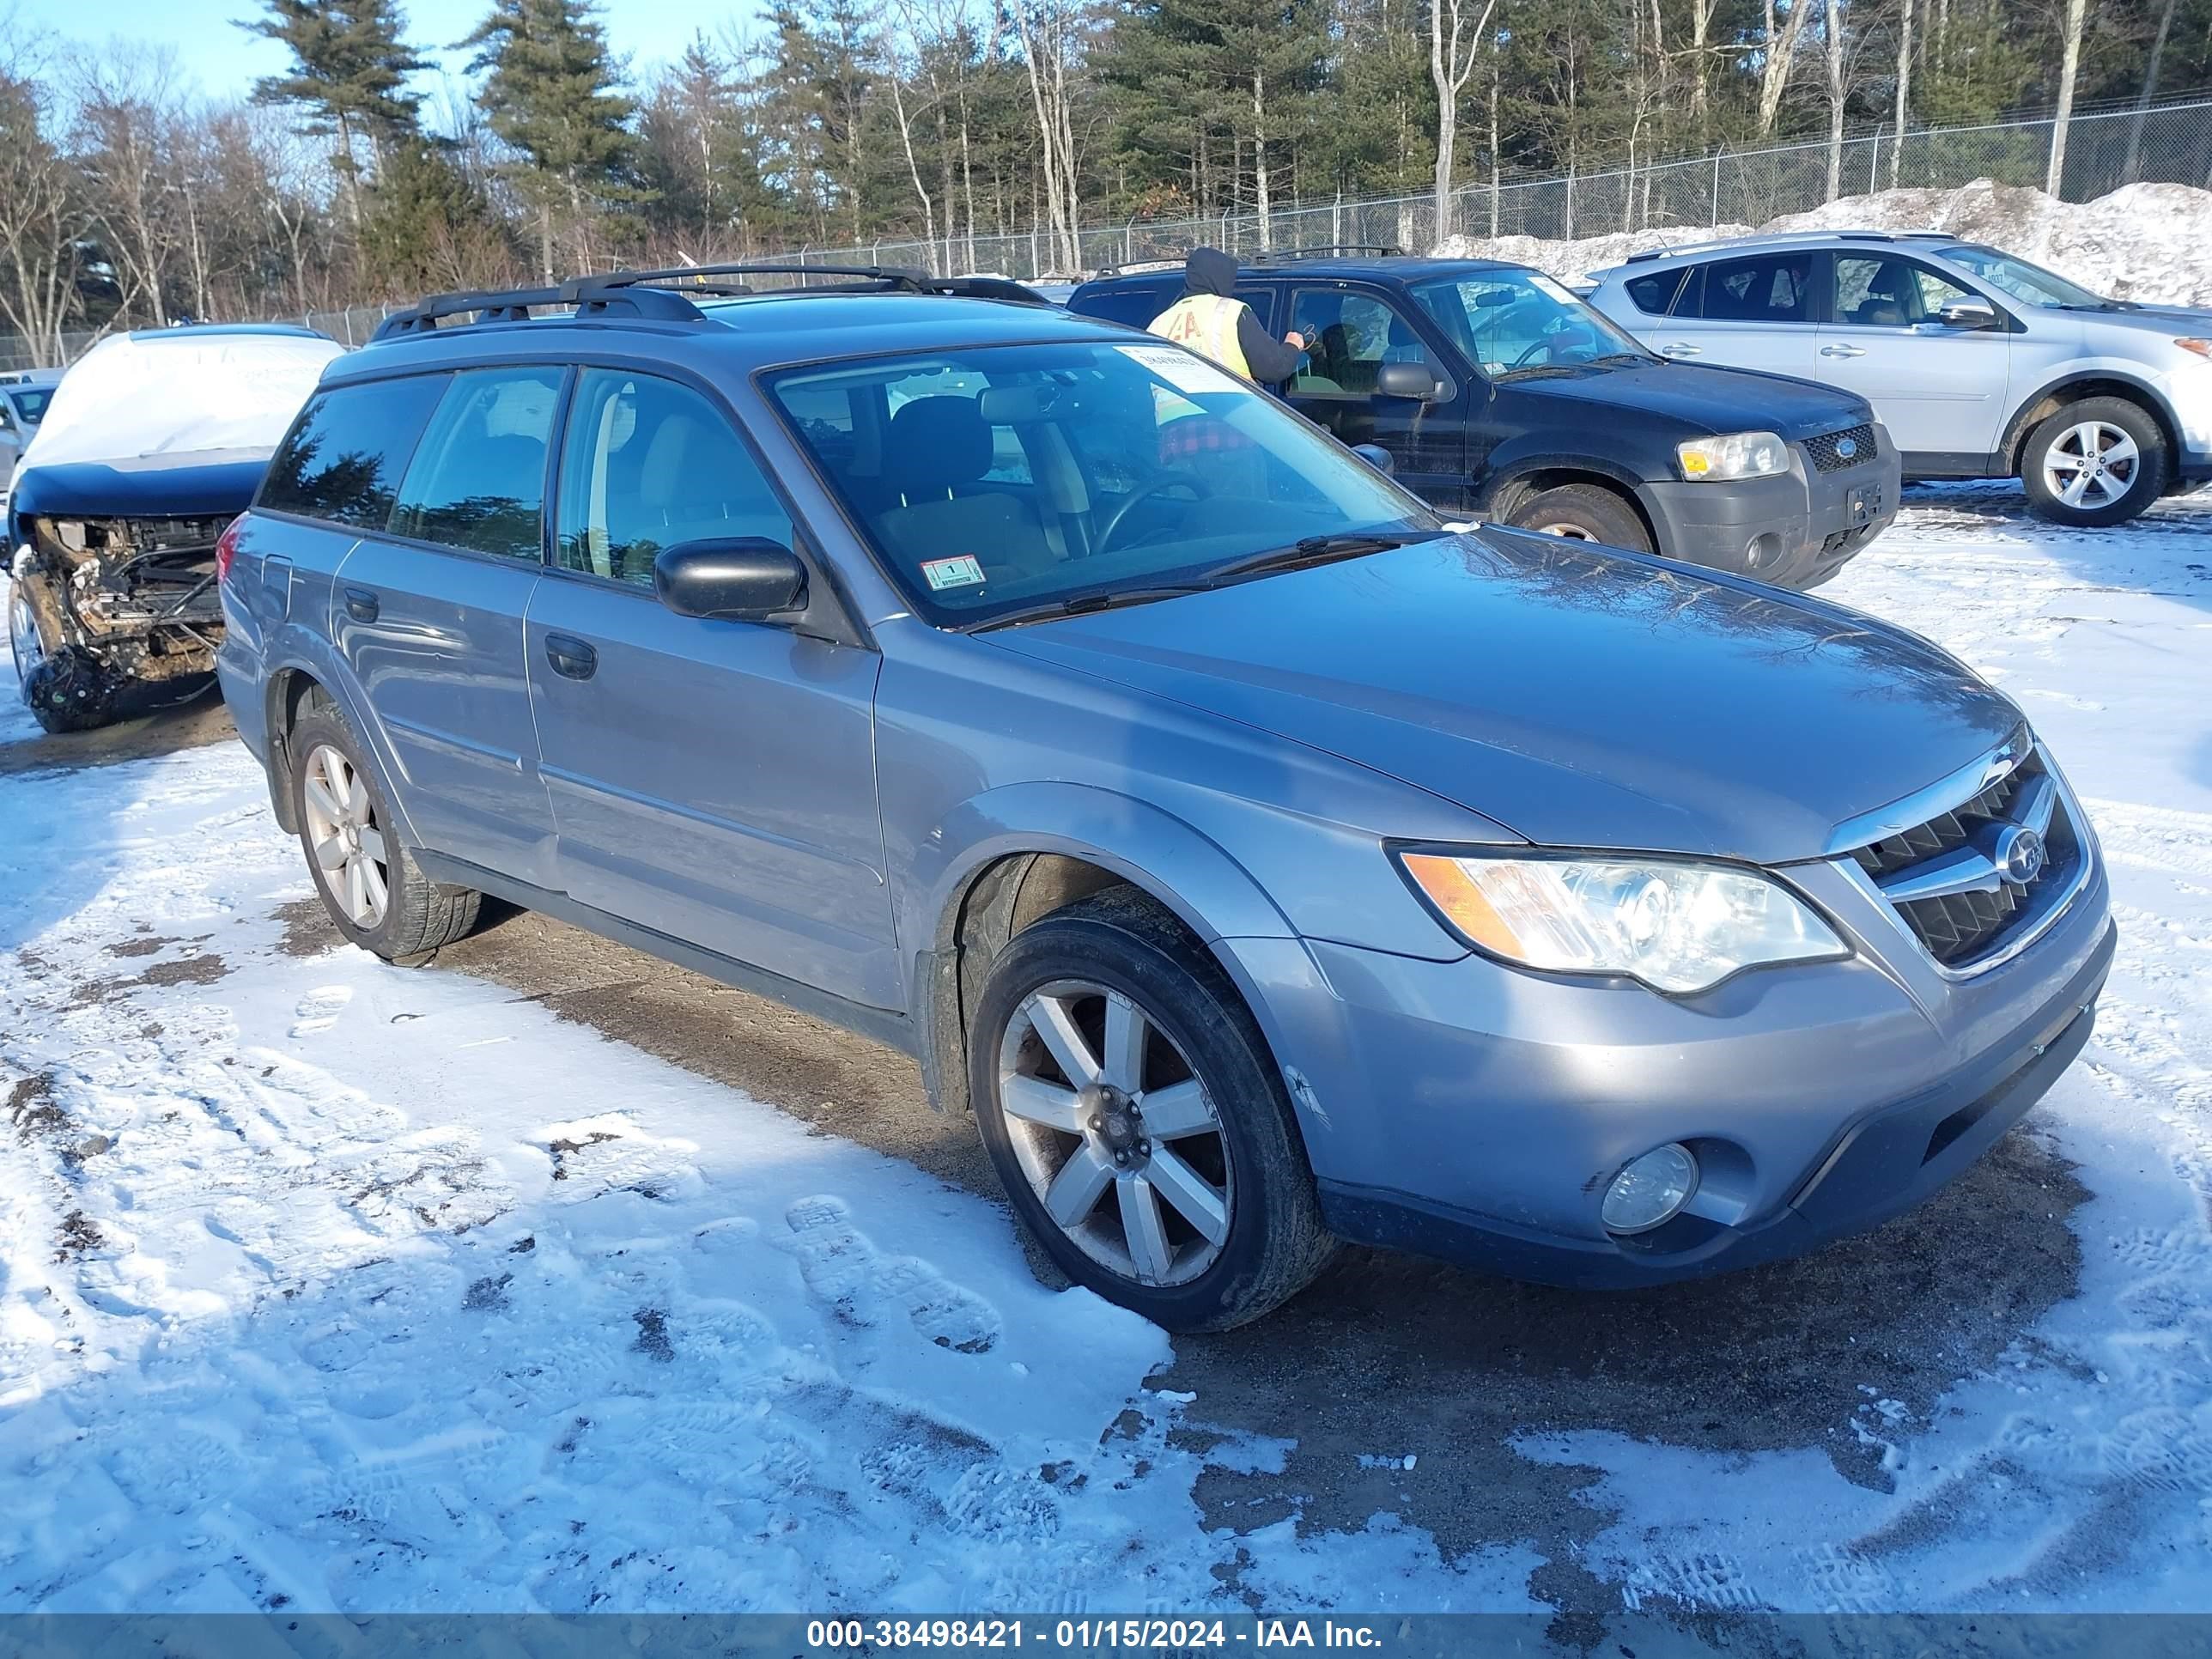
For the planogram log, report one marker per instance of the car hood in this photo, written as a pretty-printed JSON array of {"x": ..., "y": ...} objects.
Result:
[
  {"x": 2168, "y": 321},
  {"x": 1576, "y": 698},
  {"x": 1706, "y": 399},
  {"x": 185, "y": 484}
]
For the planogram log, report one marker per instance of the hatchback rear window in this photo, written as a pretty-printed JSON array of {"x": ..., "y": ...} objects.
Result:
[
  {"x": 1136, "y": 306},
  {"x": 342, "y": 460}
]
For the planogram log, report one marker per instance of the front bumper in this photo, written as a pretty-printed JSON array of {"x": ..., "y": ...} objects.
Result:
[
  {"x": 1796, "y": 529},
  {"x": 1469, "y": 1111}
]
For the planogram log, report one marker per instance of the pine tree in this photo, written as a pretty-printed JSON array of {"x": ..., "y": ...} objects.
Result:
[
  {"x": 552, "y": 98},
  {"x": 349, "y": 69}
]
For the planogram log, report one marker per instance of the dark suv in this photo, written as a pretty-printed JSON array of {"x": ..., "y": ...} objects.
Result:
[{"x": 1495, "y": 392}]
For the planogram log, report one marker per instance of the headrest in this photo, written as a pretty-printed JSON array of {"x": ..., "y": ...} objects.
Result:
[{"x": 937, "y": 443}]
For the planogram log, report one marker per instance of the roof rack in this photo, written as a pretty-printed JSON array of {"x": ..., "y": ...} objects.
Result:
[
  {"x": 1283, "y": 256},
  {"x": 648, "y": 295},
  {"x": 1788, "y": 239}
]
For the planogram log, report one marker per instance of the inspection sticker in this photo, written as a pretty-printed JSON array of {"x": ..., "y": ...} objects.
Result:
[
  {"x": 961, "y": 572},
  {"x": 1180, "y": 369}
]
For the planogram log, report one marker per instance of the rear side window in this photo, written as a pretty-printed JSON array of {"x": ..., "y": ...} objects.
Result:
[
  {"x": 1654, "y": 293},
  {"x": 478, "y": 480},
  {"x": 649, "y": 464},
  {"x": 1136, "y": 306},
  {"x": 1775, "y": 287},
  {"x": 342, "y": 460}
]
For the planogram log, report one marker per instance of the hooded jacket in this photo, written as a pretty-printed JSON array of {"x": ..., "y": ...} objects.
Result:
[{"x": 1268, "y": 360}]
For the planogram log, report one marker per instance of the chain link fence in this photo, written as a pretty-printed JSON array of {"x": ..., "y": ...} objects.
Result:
[{"x": 2163, "y": 143}]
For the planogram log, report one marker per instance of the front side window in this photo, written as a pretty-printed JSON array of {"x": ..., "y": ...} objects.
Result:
[
  {"x": 1145, "y": 466},
  {"x": 648, "y": 463},
  {"x": 1774, "y": 287},
  {"x": 1349, "y": 336},
  {"x": 478, "y": 480},
  {"x": 1522, "y": 321},
  {"x": 1873, "y": 291},
  {"x": 342, "y": 460}
]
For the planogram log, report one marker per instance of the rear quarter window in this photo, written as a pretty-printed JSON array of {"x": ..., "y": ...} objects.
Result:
[
  {"x": 344, "y": 459},
  {"x": 1655, "y": 293}
]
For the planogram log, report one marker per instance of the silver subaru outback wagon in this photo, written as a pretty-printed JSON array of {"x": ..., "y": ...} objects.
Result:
[
  {"x": 1980, "y": 364},
  {"x": 1263, "y": 860}
]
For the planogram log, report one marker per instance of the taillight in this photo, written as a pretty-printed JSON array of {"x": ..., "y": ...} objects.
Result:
[{"x": 226, "y": 548}]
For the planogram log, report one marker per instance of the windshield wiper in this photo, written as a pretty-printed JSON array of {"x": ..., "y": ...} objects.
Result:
[
  {"x": 1085, "y": 604},
  {"x": 1318, "y": 550},
  {"x": 1630, "y": 357}
]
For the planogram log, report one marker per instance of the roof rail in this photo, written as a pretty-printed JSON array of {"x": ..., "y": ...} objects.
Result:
[
  {"x": 1788, "y": 239},
  {"x": 649, "y": 295},
  {"x": 1283, "y": 256}
]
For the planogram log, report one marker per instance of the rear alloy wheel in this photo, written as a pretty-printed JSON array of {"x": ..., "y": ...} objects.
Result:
[
  {"x": 368, "y": 878},
  {"x": 1582, "y": 513},
  {"x": 2098, "y": 462},
  {"x": 1142, "y": 1131}
]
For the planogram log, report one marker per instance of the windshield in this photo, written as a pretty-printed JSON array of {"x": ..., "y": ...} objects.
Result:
[
  {"x": 1516, "y": 321},
  {"x": 2025, "y": 281},
  {"x": 997, "y": 479}
]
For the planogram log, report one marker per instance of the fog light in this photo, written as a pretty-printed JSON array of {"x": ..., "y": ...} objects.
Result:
[{"x": 1651, "y": 1190}]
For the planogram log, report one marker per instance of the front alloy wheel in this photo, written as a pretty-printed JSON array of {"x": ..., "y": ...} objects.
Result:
[
  {"x": 23, "y": 636},
  {"x": 2091, "y": 465},
  {"x": 1116, "y": 1134}
]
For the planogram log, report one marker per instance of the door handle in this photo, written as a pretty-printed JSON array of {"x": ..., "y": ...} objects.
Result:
[
  {"x": 1843, "y": 352},
  {"x": 1681, "y": 349},
  {"x": 571, "y": 658},
  {"x": 362, "y": 603}
]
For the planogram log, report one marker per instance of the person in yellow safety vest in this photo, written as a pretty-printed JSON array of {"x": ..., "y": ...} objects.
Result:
[{"x": 1210, "y": 319}]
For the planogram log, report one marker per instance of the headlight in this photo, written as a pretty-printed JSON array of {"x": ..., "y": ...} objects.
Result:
[
  {"x": 1677, "y": 926},
  {"x": 1737, "y": 455}
]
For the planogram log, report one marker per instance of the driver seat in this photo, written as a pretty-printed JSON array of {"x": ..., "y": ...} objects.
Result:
[{"x": 937, "y": 451}]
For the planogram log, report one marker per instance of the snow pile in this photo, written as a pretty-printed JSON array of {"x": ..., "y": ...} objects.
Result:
[{"x": 2143, "y": 242}]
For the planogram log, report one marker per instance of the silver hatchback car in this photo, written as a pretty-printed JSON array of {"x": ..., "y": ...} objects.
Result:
[{"x": 1980, "y": 364}]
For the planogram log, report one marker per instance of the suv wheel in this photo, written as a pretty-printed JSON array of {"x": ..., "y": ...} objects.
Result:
[
  {"x": 2100, "y": 461},
  {"x": 1583, "y": 512},
  {"x": 369, "y": 882},
  {"x": 1142, "y": 1133}
]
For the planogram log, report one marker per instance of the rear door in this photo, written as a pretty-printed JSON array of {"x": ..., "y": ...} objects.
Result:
[
  {"x": 428, "y": 617},
  {"x": 1756, "y": 311},
  {"x": 1939, "y": 390},
  {"x": 712, "y": 781}
]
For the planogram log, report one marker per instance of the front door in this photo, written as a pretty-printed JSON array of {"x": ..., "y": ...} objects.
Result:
[
  {"x": 1939, "y": 390},
  {"x": 1350, "y": 333},
  {"x": 712, "y": 781},
  {"x": 428, "y": 615}
]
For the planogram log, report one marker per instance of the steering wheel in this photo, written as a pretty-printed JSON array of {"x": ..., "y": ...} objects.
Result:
[
  {"x": 1117, "y": 515},
  {"x": 1549, "y": 343}
]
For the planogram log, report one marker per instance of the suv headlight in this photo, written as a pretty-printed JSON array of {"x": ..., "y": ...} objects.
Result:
[
  {"x": 1735, "y": 455},
  {"x": 1676, "y": 926}
]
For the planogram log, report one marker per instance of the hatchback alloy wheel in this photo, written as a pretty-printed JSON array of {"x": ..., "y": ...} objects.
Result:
[
  {"x": 1116, "y": 1133},
  {"x": 347, "y": 841}
]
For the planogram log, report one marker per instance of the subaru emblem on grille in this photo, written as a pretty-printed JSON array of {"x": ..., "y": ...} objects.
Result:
[
  {"x": 2019, "y": 855},
  {"x": 1847, "y": 447}
]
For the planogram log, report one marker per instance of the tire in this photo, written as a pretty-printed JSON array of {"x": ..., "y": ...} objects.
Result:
[
  {"x": 1147, "y": 1238},
  {"x": 342, "y": 808},
  {"x": 2107, "y": 450},
  {"x": 1584, "y": 512},
  {"x": 69, "y": 691}
]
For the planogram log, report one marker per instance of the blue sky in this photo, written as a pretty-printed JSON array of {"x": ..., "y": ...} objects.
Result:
[{"x": 225, "y": 59}]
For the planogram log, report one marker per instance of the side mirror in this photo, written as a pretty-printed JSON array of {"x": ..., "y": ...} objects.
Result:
[
  {"x": 1405, "y": 380},
  {"x": 1968, "y": 312},
  {"x": 736, "y": 578},
  {"x": 1376, "y": 456}
]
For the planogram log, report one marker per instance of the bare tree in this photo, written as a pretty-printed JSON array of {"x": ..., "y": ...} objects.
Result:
[
  {"x": 1837, "y": 92},
  {"x": 2149, "y": 87},
  {"x": 1454, "y": 44},
  {"x": 129, "y": 111},
  {"x": 1781, "y": 53},
  {"x": 1904, "y": 86},
  {"x": 41, "y": 220},
  {"x": 2069, "y": 69},
  {"x": 1047, "y": 29}
]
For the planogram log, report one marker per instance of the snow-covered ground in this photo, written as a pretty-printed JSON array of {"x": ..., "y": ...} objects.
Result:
[
  {"x": 328, "y": 1285},
  {"x": 2143, "y": 242}
]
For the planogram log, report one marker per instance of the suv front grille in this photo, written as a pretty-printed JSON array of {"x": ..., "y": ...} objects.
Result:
[
  {"x": 1827, "y": 453},
  {"x": 1946, "y": 877}
]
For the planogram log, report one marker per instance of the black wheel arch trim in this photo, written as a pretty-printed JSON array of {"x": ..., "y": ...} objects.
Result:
[{"x": 2018, "y": 428}]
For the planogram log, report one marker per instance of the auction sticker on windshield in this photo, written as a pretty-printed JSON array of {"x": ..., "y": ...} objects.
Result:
[
  {"x": 1180, "y": 369},
  {"x": 960, "y": 572}
]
